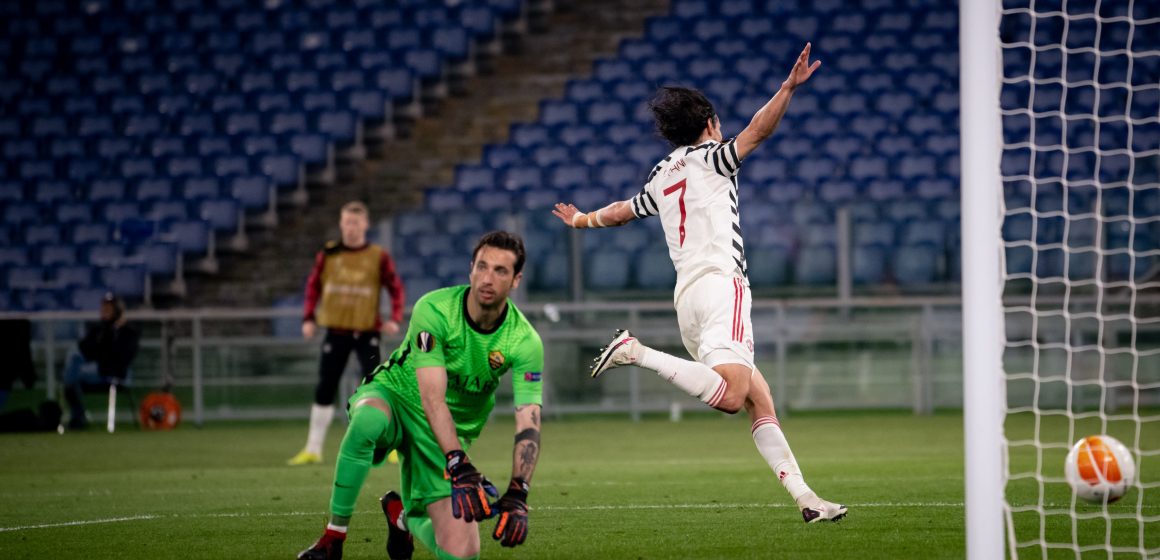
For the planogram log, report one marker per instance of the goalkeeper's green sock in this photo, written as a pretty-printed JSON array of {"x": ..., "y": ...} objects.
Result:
[
  {"x": 367, "y": 425},
  {"x": 424, "y": 531}
]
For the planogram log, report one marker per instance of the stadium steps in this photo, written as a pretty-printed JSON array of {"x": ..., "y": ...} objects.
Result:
[{"x": 535, "y": 65}]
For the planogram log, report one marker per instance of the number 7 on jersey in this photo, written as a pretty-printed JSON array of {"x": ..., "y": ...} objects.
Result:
[{"x": 679, "y": 186}]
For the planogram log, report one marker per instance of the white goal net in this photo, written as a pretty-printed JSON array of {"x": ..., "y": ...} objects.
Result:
[{"x": 1079, "y": 108}]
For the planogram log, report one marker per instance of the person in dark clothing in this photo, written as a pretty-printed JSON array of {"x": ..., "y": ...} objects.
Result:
[
  {"x": 15, "y": 346},
  {"x": 101, "y": 358}
]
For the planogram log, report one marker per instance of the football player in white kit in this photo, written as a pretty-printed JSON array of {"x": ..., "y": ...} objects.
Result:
[{"x": 694, "y": 191}]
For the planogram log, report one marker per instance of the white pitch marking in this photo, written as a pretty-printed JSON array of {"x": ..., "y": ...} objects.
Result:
[
  {"x": 76, "y": 523},
  {"x": 538, "y": 508}
]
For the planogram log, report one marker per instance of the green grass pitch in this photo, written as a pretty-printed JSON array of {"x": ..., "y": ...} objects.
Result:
[{"x": 605, "y": 488}]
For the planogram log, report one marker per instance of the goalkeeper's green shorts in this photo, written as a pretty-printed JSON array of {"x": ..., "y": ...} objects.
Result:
[{"x": 421, "y": 460}]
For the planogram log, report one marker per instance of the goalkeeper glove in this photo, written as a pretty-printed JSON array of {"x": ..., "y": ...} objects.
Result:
[
  {"x": 469, "y": 489},
  {"x": 512, "y": 527}
]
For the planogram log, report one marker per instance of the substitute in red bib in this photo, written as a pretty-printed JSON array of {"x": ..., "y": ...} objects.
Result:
[{"x": 342, "y": 295}]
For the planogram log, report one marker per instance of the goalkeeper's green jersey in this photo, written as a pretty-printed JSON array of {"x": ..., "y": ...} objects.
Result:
[{"x": 441, "y": 333}]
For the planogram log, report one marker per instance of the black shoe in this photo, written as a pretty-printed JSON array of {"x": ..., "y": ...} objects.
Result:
[
  {"x": 328, "y": 547},
  {"x": 400, "y": 545}
]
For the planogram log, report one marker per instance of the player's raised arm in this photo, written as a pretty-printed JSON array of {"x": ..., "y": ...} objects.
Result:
[
  {"x": 766, "y": 119},
  {"x": 469, "y": 489},
  {"x": 615, "y": 214}
]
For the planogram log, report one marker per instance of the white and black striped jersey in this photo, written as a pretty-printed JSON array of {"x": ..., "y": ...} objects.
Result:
[{"x": 694, "y": 191}]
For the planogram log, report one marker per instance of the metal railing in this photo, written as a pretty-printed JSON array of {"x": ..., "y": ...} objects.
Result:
[{"x": 881, "y": 352}]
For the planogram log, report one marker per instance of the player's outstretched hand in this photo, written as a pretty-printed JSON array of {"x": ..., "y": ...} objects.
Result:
[
  {"x": 512, "y": 527},
  {"x": 469, "y": 489},
  {"x": 802, "y": 69},
  {"x": 566, "y": 213}
]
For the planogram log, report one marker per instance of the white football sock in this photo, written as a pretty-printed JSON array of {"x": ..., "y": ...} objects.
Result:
[
  {"x": 771, "y": 443},
  {"x": 320, "y": 417},
  {"x": 696, "y": 379},
  {"x": 336, "y": 528}
]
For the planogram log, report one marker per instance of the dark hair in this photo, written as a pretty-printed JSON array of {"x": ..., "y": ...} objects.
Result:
[
  {"x": 506, "y": 241},
  {"x": 680, "y": 114}
]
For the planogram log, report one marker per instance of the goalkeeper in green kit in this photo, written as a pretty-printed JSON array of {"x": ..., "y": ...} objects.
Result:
[{"x": 430, "y": 400}]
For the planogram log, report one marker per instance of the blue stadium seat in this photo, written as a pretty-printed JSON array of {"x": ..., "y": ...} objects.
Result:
[
  {"x": 230, "y": 166},
  {"x": 816, "y": 266},
  {"x": 184, "y": 166},
  {"x": 167, "y": 210},
  {"x": 167, "y": 146},
  {"x": 529, "y": 135},
  {"x": 244, "y": 123},
  {"x": 445, "y": 200},
  {"x": 491, "y": 201},
  {"x": 770, "y": 266},
  {"x": 52, "y": 192},
  {"x": 907, "y": 210},
  {"x": 312, "y": 149},
  {"x": 806, "y": 212},
  {"x": 143, "y": 125},
  {"x": 191, "y": 236},
  {"x": 928, "y": 232},
  {"x": 474, "y": 177},
  {"x": 557, "y": 112},
  {"x": 551, "y": 154},
  {"x": 873, "y": 233},
  {"x": 341, "y": 126},
  {"x": 115, "y": 211},
  {"x": 838, "y": 192},
  {"x": 607, "y": 269},
  {"x": 172, "y": 104},
  {"x": 261, "y": 144},
  {"x": 222, "y": 214},
  {"x": 14, "y": 256},
  {"x": 620, "y": 176},
  {"x": 885, "y": 190},
  {"x": 653, "y": 270},
  {"x": 287, "y": 122},
  {"x": 160, "y": 258},
  {"x": 253, "y": 192},
  {"x": 57, "y": 255},
  {"x": 522, "y": 177},
  {"x": 127, "y": 280},
  {"x": 72, "y": 276},
  {"x": 398, "y": 83},
  {"x": 284, "y": 169},
  {"x": 25, "y": 278},
  {"x": 19, "y": 213},
  {"x": 459, "y": 224},
  {"x": 605, "y": 113},
  {"x": 41, "y": 234},
  {"x": 198, "y": 188},
  {"x": 869, "y": 264},
  {"x": 371, "y": 105},
  {"x": 551, "y": 273},
  {"x": 104, "y": 254},
  {"x": 597, "y": 154},
  {"x": 571, "y": 176},
  {"x": 416, "y": 224}
]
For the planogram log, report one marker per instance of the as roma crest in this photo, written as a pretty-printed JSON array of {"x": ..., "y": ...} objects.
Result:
[{"x": 495, "y": 359}]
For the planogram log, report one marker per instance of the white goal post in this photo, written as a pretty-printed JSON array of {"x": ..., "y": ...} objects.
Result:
[
  {"x": 981, "y": 190},
  {"x": 1060, "y": 179}
]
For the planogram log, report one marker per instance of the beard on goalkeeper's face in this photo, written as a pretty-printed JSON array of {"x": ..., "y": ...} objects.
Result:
[{"x": 493, "y": 277}]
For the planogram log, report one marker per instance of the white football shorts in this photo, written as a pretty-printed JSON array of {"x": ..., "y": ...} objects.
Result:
[{"x": 713, "y": 314}]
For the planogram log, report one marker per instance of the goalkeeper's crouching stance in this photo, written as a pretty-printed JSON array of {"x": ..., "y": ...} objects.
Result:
[{"x": 430, "y": 400}]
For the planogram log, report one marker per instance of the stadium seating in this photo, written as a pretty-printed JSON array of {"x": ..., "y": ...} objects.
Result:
[{"x": 197, "y": 117}]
